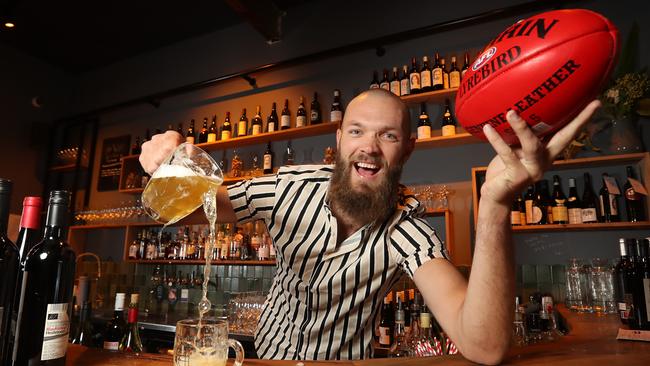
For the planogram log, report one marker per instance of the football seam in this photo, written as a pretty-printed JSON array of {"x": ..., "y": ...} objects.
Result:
[{"x": 501, "y": 72}]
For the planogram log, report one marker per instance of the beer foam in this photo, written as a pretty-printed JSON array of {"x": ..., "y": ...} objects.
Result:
[{"x": 168, "y": 171}]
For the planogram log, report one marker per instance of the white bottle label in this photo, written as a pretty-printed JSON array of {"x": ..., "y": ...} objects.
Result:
[
  {"x": 189, "y": 139},
  {"x": 589, "y": 215},
  {"x": 575, "y": 216},
  {"x": 385, "y": 86},
  {"x": 112, "y": 346},
  {"x": 267, "y": 161},
  {"x": 133, "y": 251},
  {"x": 437, "y": 77},
  {"x": 336, "y": 116},
  {"x": 185, "y": 295},
  {"x": 285, "y": 120},
  {"x": 515, "y": 218},
  {"x": 425, "y": 78},
  {"x": 404, "y": 87},
  {"x": 212, "y": 137},
  {"x": 225, "y": 135},
  {"x": 448, "y": 130},
  {"x": 415, "y": 80},
  {"x": 257, "y": 129},
  {"x": 241, "y": 129},
  {"x": 424, "y": 132},
  {"x": 394, "y": 87},
  {"x": 301, "y": 121},
  {"x": 384, "y": 337},
  {"x": 271, "y": 127},
  {"x": 55, "y": 334},
  {"x": 454, "y": 79},
  {"x": 613, "y": 208},
  {"x": 646, "y": 292}
]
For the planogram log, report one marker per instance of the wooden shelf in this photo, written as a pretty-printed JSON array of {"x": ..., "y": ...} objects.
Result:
[
  {"x": 583, "y": 227},
  {"x": 114, "y": 226},
  {"x": 436, "y": 211},
  {"x": 437, "y": 96},
  {"x": 65, "y": 168},
  {"x": 461, "y": 138},
  {"x": 131, "y": 190},
  {"x": 201, "y": 261}
]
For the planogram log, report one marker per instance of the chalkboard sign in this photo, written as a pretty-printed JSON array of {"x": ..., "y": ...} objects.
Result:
[{"x": 109, "y": 169}]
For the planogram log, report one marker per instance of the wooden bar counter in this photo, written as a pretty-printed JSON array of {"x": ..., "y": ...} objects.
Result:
[{"x": 591, "y": 341}]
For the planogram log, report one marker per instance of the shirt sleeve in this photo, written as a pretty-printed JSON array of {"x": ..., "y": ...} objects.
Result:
[
  {"x": 253, "y": 199},
  {"x": 416, "y": 242}
]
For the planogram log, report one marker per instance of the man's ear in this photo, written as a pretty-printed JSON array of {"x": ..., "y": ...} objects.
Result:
[{"x": 338, "y": 137}]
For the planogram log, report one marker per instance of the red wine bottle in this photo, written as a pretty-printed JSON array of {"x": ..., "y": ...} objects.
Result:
[
  {"x": 9, "y": 266},
  {"x": 30, "y": 225},
  {"x": 46, "y": 302},
  {"x": 115, "y": 327}
]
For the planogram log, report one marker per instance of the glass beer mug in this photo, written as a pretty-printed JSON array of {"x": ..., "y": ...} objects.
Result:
[
  {"x": 176, "y": 188},
  {"x": 205, "y": 343}
]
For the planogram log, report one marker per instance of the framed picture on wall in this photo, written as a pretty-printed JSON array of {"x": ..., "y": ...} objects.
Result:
[{"x": 113, "y": 149}]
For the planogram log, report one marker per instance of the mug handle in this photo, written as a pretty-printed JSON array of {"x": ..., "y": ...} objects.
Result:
[{"x": 239, "y": 351}]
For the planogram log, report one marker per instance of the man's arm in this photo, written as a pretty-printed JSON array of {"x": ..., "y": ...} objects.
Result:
[{"x": 477, "y": 314}]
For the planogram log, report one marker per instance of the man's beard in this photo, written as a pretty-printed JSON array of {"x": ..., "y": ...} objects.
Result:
[{"x": 365, "y": 203}]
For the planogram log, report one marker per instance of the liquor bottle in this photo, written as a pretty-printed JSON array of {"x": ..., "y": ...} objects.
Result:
[
  {"x": 226, "y": 128},
  {"x": 454, "y": 74},
  {"x": 632, "y": 276},
  {"x": 573, "y": 204},
  {"x": 190, "y": 135},
  {"x": 425, "y": 75},
  {"x": 515, "y": 212},
  {"x": 445, "y": 74},
  {"x": 559, "y": 209},
  {"x": 437, "y": 76},
  {"x": 203, "y": 134},
  {"x": 135, "y": 148},
  {"x": 634, "y": 201},
  {"x": 529, "y": 200},
  {"x": 133, "y": 248},
  {"x": 46, "y": 301},
  {"x": 172, "y": 292},
  {"x": 30, "y": 223},
  {"x": 183, "y": 292},
  {"x": 395, "y": 83},
  {"x": 268, "y": 159},
  {"x": 424, "y": 125},
  {"x": 116, "y": 327},
  {"x": 424, "y": 344},
  {"x": 131, "y": 342},
  {"x": 336, "y": 112},
  {"x": 608, "y": 203},
  {"x": 400, "y": 347},
  {"x": 404, "y": 85},
  {"x": 179, "y": 129},
  {"x": 589, "y": 202},
  {"x": 191, "y": 247},
  {"x": 212, "y": 131},
  {"x": 272, "y": 120},
  {"x": 465, "y": 66},
  {"x": 242, "y": 125},
  {"x": 374, "y": 83},
  {"x": 623, "y": 283},
  {"x": 289, "y": 154},
  {"x": 301, "y": 114},
  {"x": 315, "y": 116},
  {"x": 256, "y": 124},
  {"x": 151, "y": 251},
  {"x": 285, "y": 118},
  {"x": 387, "y": 323},
  {"x": 84, "y": 332},
  {"x": 385, "y": 84},
  {"x": 448, "y": 122},
  {"x": 414, "y": 78},
  {"x": 9, "y": 267},
  {"x": 544, "y": 202},
  {"x": 145, "y": 238},
  {"x": 641, "y": 287}
]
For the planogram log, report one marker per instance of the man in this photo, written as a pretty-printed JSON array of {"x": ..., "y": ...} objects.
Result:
[{"x": 342, "y": 233}]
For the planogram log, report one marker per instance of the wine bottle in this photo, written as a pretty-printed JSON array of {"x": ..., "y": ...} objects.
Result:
[
  {"x": 573, "y": 204},
  {"x": 131, "y": 341},
  {"x": 203, "y": 135},
  {"x": 9, "y": 267},
  {"x": 623, "y": 284},
  {"x": 540, "y": 213},
  {"x": 385, "y": 84},
  {"x": 559, "y": 208},
  {"x": 395, "y": 83},
  {"x": 448, "y": 122},
  {"x": 400, "y": 347},
  {"x": 336, "y": 112},
  {"x": 634, "y": 201},
  {"x": 546, "y": 203},
  {"x": 315, "y": 116},
  {"x": 46, "y": 303},
  {"x": 445, "y": 74},
  {"x": 414, "y": 78},
  {"x": 135, "y": 148},
  {"x": 437, "y": 75},
  {"x": 256, "y": 124},
  {"x": 268, "y": 159},
  {"x": 179, "y": 129},
  {"x": 608, "y": 204},
  {"x": 285, "y": 118},
  {"x": 425, "y": 75},
  {"x": 133, "y": 248},
  {"x": 454, "y": 74},
  {"x": 190, "y": 135},
  {"x": 301, "y": 114},
  {"x": 226, "y": 128},
  {"x": 515, "y": 212},
  {"x": 272, "y": 120},
  {"x": 212, "y": 131},
  {"x": 641, "y": 287},
  {"x": 116, "y": 327},
  {"x": 465, "y": 66},
  {"x": 289, "y": 154},
  {"x": 404, "y": 86},
  {"x": 424, "y": 125},
  {"x": 374, "y": 83},
  {"x": 589, "y": 202},
  {"x": 529, "y": 199},
  {"x": 30, "y": 224},
  {"x": 386, "y": 324},
  {"x": 242, "y": 125},
  {"x": 84, "y": 332}
]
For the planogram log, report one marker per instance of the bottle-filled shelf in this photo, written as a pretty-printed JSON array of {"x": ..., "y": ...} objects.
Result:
[
  {"x": 436, "y": 96},
  {"x": 583, "y": 227},
  {"x": 215, "y": 262}
]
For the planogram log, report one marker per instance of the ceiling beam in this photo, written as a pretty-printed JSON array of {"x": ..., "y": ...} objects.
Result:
[{"x": 263, "y": 15}]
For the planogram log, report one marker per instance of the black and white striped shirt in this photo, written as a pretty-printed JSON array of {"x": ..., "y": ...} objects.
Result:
[{"x": 325, "y": 299}]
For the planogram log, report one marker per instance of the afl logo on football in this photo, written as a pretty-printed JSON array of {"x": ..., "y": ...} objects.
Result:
[{"x": 484, "y": 58}]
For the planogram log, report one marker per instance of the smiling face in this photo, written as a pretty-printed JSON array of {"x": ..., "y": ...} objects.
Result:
[{"x": 373, "y": 144}]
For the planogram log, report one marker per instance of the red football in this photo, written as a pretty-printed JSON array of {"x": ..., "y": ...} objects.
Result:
[{"x": 546, "y": 68}]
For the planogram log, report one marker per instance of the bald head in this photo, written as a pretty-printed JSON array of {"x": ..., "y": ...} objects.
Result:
[{"x": 382, "y": 102}]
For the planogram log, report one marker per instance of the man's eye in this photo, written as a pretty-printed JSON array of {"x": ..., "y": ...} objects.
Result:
[
  {"x": 355, "y": 131},
  {"x": 390, "y": 136}
]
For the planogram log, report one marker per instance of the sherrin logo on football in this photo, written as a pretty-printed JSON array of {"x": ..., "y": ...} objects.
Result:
[{"x": 546, "y": 68}]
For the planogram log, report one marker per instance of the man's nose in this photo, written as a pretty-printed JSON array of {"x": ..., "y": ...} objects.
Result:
[{"x": 370, "y": 145}]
